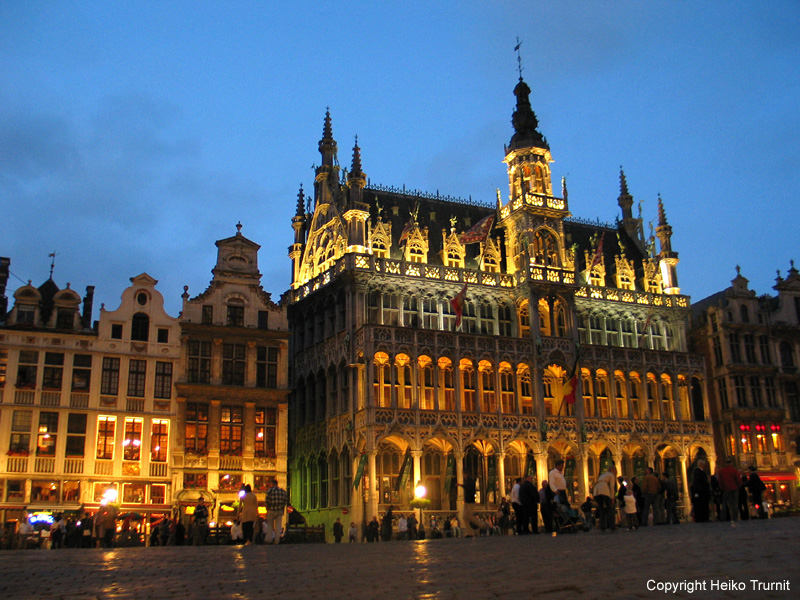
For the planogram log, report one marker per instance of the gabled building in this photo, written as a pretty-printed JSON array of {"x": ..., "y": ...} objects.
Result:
[
  {"x": 431, "y": 335},
  {"x": 85, "y": 408},
  {"x": 232, "y": 385},
  {"x": 752, "y": 345}
]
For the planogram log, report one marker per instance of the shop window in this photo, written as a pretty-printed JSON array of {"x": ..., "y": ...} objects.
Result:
[
  {"x": 81, "y": 372},
  {"x": 3, "y": 369},
  {"x": 133, "y": 493},
  {"x": 230, "y": 482},
  {"x": 48, "y": 434},
  {"x": 45, "y": 491},
  {"x": 196, "y": 430},
  {"x": 159, "y": 440},
  {"x": 15, "y": 490},
  {"x": 100, "y": 488},
  {"x": 158, "y": 493},
  {"x": 76, "y": 435},
  {"x": 163, "y": 380},
  {"x": 71, "y": 491},
  {"x": 106, "y": 427}
]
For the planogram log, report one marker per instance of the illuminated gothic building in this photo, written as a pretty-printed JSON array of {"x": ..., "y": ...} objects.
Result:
[
  {"x": 86, "y": 408},
  {"x": 752, "y": 345},
  {"x": 232, "y": 387},
  {"x": 431, "y": 335}
]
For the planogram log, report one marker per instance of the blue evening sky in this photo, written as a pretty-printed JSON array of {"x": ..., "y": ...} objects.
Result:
[{"x": 133, "y": 135}]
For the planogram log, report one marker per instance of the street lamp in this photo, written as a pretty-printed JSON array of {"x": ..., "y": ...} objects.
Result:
[{"x": 419, "y": 500}]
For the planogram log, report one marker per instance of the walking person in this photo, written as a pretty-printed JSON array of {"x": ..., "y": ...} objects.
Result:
[
  {"x": 277, "y": 500},
  {"x": 338, "y": 531},
  {"x": 670, "y": 499},
  {"x": 757, "y": 489},
  {"x": 701, "y": 492},
  {"x": 200, "y": 521},
  {"x": 729, "y": 482}
]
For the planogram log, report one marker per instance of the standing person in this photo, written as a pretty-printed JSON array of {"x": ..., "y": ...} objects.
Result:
[
  {"x": 352, "y": 533},
  {"x": 630, "y": 510},
  {"x": 248, "y": 514},
  {"x": 670, "y": 499},
  {"x": 387, "y": 524},
  {"x": 729, "y": 482},
  {"x": 402, "y": 528},
  {"x": 469, "y": 520},
  {"x": 546, "y": 502},
  {"x": 757, "y": 488},
  {"x": 200, "y": 520},
  {"x": 744, "y": 506},
  {"x": 588, "y": 509},
  {"x": 604, "y": 496},
  {"x": 277, "y": 500},
  {"x": 373, "y": 530},
  {"x": 622, "y": 490},
  {"x": 412, "y": 523},
  {"x": 108, "y": 520},
  {"x": 517, "y": 506},
  {"x": 558, "y": 483},
  {"x": 57, "y": 532},
  {"x": 650, "y": 488},
  {"x": 701, "y": 493},
  {"x": 338, "y": 531},
  {"x": 529, "y": 498},
  {"x": 716, "y": 497},
  {"x": 637, "y": 493},
  {"x": 504, "y": 513}
]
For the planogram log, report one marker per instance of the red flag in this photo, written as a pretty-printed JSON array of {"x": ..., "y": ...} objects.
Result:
[
  {"x": 458, "y": 305},
  {"x": 479, "y": 232},
  {"x": 570, "y": 387},
  {"x": 405, "y": 232},
  {"x": 598, "y": 254}
]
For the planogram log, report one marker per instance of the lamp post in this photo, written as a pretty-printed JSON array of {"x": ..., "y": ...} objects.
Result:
[{"x": 419, "y": 499}]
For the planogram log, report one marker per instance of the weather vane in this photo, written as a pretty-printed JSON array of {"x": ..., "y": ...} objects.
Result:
[
  {"x": 52, "y": 263},
  {"x": 519, "y": 57}
]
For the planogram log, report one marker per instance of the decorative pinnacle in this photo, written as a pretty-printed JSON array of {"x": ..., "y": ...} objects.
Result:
[
  {"x": 662, "y": 215},
  {"x": 239, "y": 228},
  {"x": 355, "y": 168},
  {"x": 300, "y": 202},
  {"x": 623, "y": 183},
  {"x": 327, "y": 129}
]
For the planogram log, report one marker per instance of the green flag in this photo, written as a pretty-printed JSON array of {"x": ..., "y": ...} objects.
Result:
[{"x": 360, "y": 470}]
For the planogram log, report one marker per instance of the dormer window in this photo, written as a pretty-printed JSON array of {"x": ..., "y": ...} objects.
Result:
[
  {"x": 26, "y": 314},
  {"x": 236, "y": 313},
  {"x": 64, "y": 318}
]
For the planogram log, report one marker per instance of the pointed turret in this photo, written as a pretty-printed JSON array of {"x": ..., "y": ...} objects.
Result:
[
  {"x": 357, "y": 212},
  {"x": 625, "y": 200},
  {"x": 357, "y": 179},
  {"x": 668, "y": 259},
  {"x": 327, "y": 145},
  {"x": 299, "y": 226}
]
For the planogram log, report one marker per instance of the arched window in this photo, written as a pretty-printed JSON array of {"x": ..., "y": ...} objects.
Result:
[
  {"x": 235, "y": 312},
  {"x": 403, "y": 365},
  {"x": 524, "y": 320},
  {"x": 447, "y": 392},
  {"x": 488, "y": 397},
  {"x": 467, "y": 371},
  {"x": 525, "y": 390},
  {"x": 140, "y": 327},
  {"x": 425, "y": 385},
  {"x": 382, "y": 384},
  {"x": 507, "y": 404},
  {"x": 744, "y": 314}
]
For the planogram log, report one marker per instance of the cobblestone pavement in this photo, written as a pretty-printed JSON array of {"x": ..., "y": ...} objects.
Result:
[{"x": 592, "y": 565}]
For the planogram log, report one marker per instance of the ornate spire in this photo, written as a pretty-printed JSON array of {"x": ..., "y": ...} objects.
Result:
[
  {"x": 526, "y": 132},
  {"x": 623, "y": 183}
]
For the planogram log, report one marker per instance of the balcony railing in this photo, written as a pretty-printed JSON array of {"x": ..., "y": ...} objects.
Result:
[
  {"x": 42, "y": 464},
  {"x": 51, "y": 399},
  {"x": 73, "y": 466}
]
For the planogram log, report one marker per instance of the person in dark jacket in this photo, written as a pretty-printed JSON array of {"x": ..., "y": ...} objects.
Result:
[
  {"x": 529, "y": 498},
  {"x": 387, "y": 524},
  {"x": 744, "y": 505},
  {"x": 701, "y": 493},
  {"x": 757, "y": 489}
]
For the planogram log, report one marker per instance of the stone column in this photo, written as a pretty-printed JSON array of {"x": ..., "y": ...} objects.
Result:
[
  {"x": 372, "y": 500},
  {"x": 501, "y": 475}
]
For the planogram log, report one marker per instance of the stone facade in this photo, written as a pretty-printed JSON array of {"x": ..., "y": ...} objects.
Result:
[
  {"x": 752, "y": 344},
  {"x": 432, "y": 335}
]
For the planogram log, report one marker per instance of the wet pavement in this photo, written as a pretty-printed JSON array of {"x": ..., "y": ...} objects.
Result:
[{"x": 712, "y": 560}]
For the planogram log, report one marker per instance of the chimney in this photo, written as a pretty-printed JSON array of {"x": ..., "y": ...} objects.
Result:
[{"x": 87, "y": 306}]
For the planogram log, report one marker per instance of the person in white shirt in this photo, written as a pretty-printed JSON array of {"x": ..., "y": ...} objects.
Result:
[
  {"x": 402, "y": 527},
  {"x": 518, "y": 511},
  {"x": 557, "y": 482}
]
